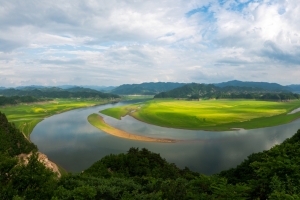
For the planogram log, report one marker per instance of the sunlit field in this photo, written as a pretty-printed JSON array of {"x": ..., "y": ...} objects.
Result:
[
  {"x": 27, "y": 116},
  {"x": 209, "y": 114}
]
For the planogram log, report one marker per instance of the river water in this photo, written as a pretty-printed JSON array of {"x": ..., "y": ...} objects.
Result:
[{"x": 70, "y": 141}]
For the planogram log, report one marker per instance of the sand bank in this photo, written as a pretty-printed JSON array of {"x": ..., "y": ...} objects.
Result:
[{"x": 97, "y": 121}]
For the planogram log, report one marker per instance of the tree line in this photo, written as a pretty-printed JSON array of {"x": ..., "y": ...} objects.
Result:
[
  {"x": 58, "y": 93},
  {"x": 19, "y": 99},
  {"x": 204, "y": 91}
]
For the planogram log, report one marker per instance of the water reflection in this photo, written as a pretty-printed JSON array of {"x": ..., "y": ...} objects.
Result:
[{"x": 69, "y": 140}]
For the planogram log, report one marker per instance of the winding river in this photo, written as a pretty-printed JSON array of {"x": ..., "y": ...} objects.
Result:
[{"x": 70, "y": 141}]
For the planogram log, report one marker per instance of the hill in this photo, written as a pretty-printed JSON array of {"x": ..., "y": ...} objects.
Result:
[
  {"x": 145, "y": 88},
  {"x": 94, "y": 87},
  {"x": 197, "y": 91},
  {"x": 265, "y": 85},
  {"x": 16, "y": 99},
  {"x": 295, "y": 88},
  {"x": 55, "y": 92},
  {"x": 12, "y": 140}
]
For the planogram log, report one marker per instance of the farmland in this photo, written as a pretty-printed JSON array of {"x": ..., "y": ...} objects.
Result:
[
  {"x": 27, "y": 116},
  {"x": 217, "y": 115}
]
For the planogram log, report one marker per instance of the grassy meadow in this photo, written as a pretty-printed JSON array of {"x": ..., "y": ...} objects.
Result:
[
  {"x": 209, "y": 114},
  {"x": 27, "y": 116}
]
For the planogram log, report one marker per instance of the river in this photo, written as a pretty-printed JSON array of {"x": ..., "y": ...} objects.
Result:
[{"x": 70, "y": 141}]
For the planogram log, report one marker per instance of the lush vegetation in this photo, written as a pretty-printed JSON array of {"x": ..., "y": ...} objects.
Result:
[
  {"x": 203, "y": 91},
  {"x": 26, "y": 116},
  {"x": 12, "y": 140},
  {"x": 76, "y": 92},
  {"x": 209, "y": 114},
  {"x": 16, "y": 100},
  {"x": 141, "y": 174},
  {"x": 145, "y": 88},
  {"x": 265, "y": 85},
  {"x": 274, "y": 173}
]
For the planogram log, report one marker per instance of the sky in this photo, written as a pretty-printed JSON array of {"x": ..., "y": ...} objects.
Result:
[{"x": 114, "y": 42}]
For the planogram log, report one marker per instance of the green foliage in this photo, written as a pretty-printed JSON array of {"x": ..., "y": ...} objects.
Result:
[
  {"x": 145, "y": 88},
  {"x": 16, "y": 99},
  {"x": 273, "y": 173},
  {"x": 12, "y": 140},
  {"x": 31, "y": 181},
  {"x": 76, "y": 92},
  {"x": 136, "y": 163},
  {"x": 204, "y": 91}
]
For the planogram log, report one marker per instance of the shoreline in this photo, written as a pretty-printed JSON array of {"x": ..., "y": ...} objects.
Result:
[
  {"x": 23, "y": 126},
  {"x": 98, "y": 122}
]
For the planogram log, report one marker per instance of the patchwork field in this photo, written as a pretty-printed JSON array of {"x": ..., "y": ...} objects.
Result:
[
  {"x": 27, "y": 116},
  {"x": 209, "y": 114}
]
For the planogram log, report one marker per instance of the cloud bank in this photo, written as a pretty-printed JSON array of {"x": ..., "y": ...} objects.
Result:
[{"x": 114, "y": 42}]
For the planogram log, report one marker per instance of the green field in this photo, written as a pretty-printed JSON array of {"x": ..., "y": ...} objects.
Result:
[
  {"x": 209, "y": 114},
  {"x": 27, "y": 116}
]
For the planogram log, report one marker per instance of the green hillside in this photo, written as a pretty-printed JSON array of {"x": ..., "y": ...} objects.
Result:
[
  {"x": 76, "y": 92},
  {"x": 210, "y": 91},
  {"x": 145, "y": 88}
]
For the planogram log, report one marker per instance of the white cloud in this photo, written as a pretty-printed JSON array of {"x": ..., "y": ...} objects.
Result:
[{"x": 115, "y": 42}]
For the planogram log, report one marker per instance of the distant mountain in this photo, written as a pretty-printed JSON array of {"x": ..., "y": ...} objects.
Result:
[
  {"x": 197, "y": 91},
  {"x": 294, "y": 88},
  {"x": 264, "y": 85},
  {"x": 94, "y": 87},
  {"x": 2, "y": 88},
  {"x": 55, "y": 92},
  {"x": 188, "y": 90},
  {"x": 146, "y": 88},
  {"x": 30, "y": 87},
  {"x": 100, "y": 88}
]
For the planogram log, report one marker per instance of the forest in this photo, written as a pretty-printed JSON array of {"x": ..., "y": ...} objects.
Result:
[
  {"x": 210, "y": 91},
  {"x": 76, "y": 92},
  {"x": 12, "y": 100},
  {"x": 141, "y": 174}
]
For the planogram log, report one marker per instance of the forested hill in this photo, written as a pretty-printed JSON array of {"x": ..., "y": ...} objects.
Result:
[
  {"x": 264, "y": 85},
  {"x": 12, "y": 141},
  {"x": 16, "y": 99},
  {"x": 295, "y": 88},
  {"x": 145, "y": 88},
  {"x": 54, "y": 92},
  {"x": 196, "y": 91}
]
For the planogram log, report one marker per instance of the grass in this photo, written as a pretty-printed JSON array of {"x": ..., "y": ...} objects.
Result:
[
  {"x": 209, "y": 114},
  {"x": 97, "y": 121},
  {"x": 27, "y": 116}
]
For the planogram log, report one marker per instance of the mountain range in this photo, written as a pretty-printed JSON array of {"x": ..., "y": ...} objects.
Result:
[{"x": 153, "y": 88}]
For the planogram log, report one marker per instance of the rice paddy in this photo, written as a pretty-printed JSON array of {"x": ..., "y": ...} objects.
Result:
[{"x": 209, "y": 114}]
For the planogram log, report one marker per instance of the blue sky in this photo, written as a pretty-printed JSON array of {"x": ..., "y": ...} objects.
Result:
[{"x": 112, "y": 42}]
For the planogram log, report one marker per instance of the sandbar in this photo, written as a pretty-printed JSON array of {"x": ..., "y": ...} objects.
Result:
[{"x": 97, "y": 121}]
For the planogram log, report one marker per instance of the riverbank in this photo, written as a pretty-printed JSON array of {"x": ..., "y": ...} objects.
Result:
[
  {"x": 27, "y": 116},
  {"x": 97, "y": 121}
]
